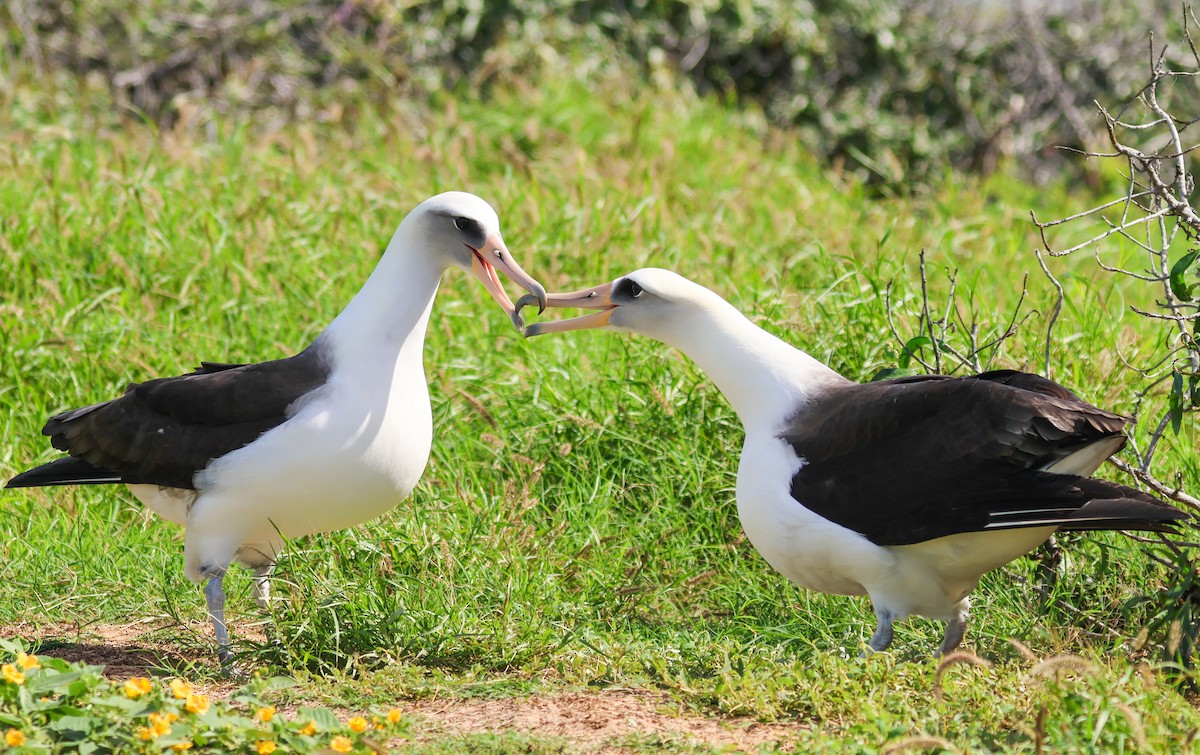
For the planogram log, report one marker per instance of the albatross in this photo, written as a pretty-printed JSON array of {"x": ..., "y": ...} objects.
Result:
[
  {"x": 247, "y": 455},
  {"x": 905, "y": 490}
]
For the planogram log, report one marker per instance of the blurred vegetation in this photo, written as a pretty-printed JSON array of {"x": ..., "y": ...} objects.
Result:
[{"x": 898, "y": 91}]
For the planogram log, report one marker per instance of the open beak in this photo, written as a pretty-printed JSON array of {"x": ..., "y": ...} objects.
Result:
[
  {"x": 493, "y": 256},
  {"x": 599, "y": 298}
]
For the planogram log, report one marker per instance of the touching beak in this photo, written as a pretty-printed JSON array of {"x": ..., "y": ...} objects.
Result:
[
  {"x": 599, "y": 298},
  {"x": 493, "y": 256}
]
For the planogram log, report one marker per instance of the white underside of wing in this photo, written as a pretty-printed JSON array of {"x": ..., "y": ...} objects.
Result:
[{"x": 1085, "y": 461}]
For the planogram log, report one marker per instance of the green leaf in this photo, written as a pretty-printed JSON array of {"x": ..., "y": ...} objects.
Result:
[
  {"x": 78, "y": 688},
  {"x": 12, "y": 647},
  {"x": 1179, "y": 285},
  {"x": 72, "y": 727},
  {"x": 276, "y": 683},
  {"x": 1175, "y": 401},
  {"x": 322, "y": 717},
  {"x": 46, "y": 682},
  {"x": 887, "y": 373},
  {"x": 911, "y": 347}
]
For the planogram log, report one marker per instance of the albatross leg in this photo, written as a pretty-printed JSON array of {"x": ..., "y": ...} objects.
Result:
[
  {"x": 955, "y": 629},
  {"x": 883, "y": 632},
  {"x": 259, "y": 558},
  {"x": 262, "y": 584},
  {"x": 214, "y": 595}
]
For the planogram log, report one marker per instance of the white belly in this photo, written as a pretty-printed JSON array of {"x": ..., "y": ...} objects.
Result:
[
  {"x": 320, "y": 471},
  {"x": 171, "y": 504}
]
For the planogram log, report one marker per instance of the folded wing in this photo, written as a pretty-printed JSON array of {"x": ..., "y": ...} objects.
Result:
[
  {"x": 164, "y": 431},
  {"x": 908, "y": 460}
]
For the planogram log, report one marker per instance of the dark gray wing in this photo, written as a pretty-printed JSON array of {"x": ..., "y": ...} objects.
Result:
[
  {"x": 907, "y": 460},
  {"x": 164, "y": 431}
]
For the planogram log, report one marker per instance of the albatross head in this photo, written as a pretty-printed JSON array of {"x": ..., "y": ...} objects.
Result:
[
  {"x": 755, "y": 370},
  {"x": 463, "y": 230},
  {"x": 651, "y": 301}
]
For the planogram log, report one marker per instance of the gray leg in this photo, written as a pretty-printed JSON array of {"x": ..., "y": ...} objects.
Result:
[
  {"x": 260, "y": 558},
  {"x": 262, "y": 584},
  {"x": 214, "y": 595},
  {"x": 955, "y": 629},
  {"x": 883, "y": 632}
]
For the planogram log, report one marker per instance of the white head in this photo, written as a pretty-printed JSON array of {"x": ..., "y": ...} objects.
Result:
[
  {"x": 755, "y": 370},
  {"x": 654, "y": 302},
  {"x": 462, "y": 230}
]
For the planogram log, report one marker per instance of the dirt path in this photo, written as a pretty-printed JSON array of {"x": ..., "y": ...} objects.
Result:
[
  {"x": 606, "y": 721},
  {"x": 595, "y": 722}
]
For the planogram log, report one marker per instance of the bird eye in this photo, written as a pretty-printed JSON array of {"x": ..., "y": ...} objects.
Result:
[
  {"x": 634, "y": 289},
  {"x": 462, "y": 223}
]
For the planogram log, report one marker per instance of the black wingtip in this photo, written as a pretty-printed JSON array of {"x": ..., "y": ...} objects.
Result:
[{"x": 65, "y": 471}]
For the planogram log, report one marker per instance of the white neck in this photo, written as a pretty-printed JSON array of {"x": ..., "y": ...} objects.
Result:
[
  {"x": 759, "y": 374},
  {"x": 389, "y": 315}
]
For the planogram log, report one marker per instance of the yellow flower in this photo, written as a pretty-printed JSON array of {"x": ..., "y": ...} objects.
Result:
[
  {"x": 182, "y": 746},
  {"x": 171, "y": 716},
  {"x": 309, "y": 729},
  {"x": 394, "y": 716},
  {"x": 11, "y": 674},
  {"x": 196, "y": 703},
  {"x": 340, "y": 744},
  {"x": 136, "y": 687},
  {"x": 28, "y": 662},
  {"x": 147, "y": 733},
  {"x": 180, "y": 689},
  {"x": 161, "y": 722},
  {"x": 266, "y": 713},
  {"x": 14, "y": 737},
  {"x": 358, "y": 724},
  {"x": 265, "y": 747}
]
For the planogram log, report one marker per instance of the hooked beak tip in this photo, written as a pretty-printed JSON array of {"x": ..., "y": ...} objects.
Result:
[{"x": 539, "y": 296}]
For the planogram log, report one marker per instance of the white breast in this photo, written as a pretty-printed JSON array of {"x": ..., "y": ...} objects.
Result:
[{"x": 806, "y": 548}]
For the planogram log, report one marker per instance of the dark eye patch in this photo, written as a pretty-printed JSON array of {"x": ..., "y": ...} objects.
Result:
[
  {"x": 630, "y": 288},
  {"x": 468, "y": 226}
]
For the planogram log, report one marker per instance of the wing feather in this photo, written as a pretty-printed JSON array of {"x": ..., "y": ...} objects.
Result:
[
  {"x": 164, "y": 431},
  {"x": 908, "y": 460}
]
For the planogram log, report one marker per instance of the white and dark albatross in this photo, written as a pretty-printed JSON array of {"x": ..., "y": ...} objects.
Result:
[
  {"x": 243, "y": 455},
  {"x": 904, "y": 490}
]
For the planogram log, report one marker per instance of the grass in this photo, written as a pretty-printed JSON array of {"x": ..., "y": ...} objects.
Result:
[{"x": 576, "y": 528}]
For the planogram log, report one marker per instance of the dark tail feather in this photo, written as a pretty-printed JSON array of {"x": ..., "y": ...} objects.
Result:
[
  {"x": 1125, "y": 514},
  {"x": 1106, "y": 506},
  {"x": 65, "y": 471}
]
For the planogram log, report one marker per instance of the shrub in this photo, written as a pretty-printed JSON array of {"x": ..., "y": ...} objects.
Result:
[{"x": 899, "y": 90}]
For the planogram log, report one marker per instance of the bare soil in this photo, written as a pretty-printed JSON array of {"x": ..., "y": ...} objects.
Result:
[
  {"x": 596, "y": 721},
  {"x": 606, "y": 721}
]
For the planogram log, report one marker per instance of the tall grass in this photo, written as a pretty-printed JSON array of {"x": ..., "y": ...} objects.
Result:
[{"x": 576, "y": 524}]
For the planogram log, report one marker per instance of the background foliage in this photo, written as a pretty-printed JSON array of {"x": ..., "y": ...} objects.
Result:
[{"x": 898, "y": 90}]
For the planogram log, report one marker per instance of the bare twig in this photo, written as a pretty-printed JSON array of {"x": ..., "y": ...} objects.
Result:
[
  {"x": 1157, "y": 198},
  {"x": 1053, "y": 318},
  {"x": 933, "y": 337},
  {"x": 1175, "y": 494}
]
